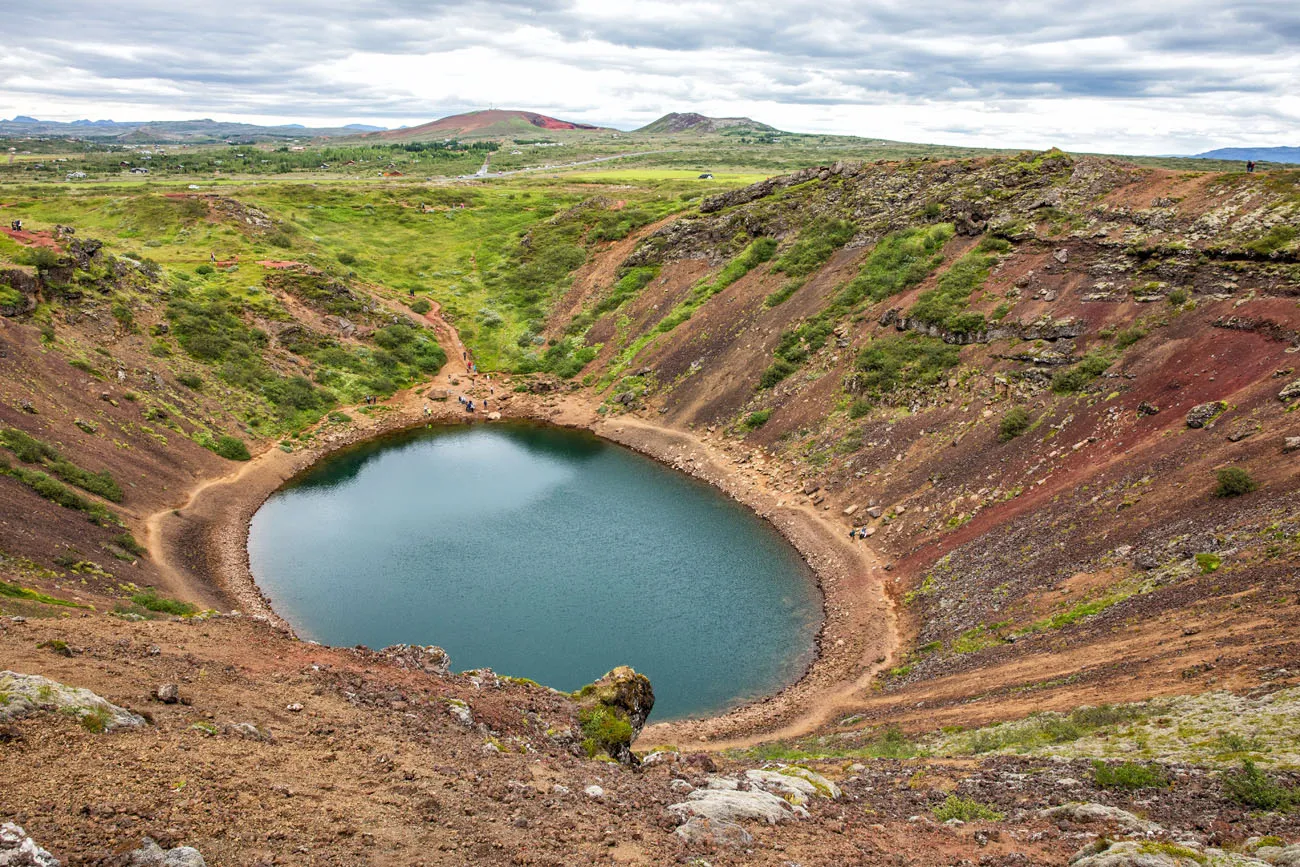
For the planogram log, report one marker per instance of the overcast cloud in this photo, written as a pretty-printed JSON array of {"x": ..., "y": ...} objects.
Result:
[{"x": 1130, "y": 77}]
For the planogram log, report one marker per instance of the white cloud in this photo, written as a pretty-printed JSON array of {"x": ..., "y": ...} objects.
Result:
[{"x": 1108, "y": 76}]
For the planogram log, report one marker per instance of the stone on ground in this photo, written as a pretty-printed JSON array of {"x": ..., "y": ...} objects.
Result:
[
  {"x": 21, "y": 694},
  {"x": 19, "y": 850}
]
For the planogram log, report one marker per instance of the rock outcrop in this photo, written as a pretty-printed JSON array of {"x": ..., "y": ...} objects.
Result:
[
  {"x": 21, "y": 694},
  {"x": 613, "y": 710}
]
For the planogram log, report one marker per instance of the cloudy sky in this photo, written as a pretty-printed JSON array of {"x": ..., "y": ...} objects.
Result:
[{"x": 1124, "y": 77}]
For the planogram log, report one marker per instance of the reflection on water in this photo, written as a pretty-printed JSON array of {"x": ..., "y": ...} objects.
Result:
[{"x": 542, "y": 553}]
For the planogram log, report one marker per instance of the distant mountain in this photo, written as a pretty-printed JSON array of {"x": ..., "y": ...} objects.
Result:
[
  {"x": 365, "y": 127},
  {"x": 201, "y": 131},
  {"x": 1272, "y": 155},
  {"x": 679, "y": 122},
  {"x": 491, "y": 123}
]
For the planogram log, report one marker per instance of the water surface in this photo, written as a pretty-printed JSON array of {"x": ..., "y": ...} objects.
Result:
[{"x": 544, "y": 553}]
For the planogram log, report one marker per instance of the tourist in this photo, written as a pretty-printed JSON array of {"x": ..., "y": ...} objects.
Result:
[{"x": 1250, "y": 165}]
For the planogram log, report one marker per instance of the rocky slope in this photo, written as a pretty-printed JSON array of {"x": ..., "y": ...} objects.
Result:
[{"x": 1016, "y": 379}]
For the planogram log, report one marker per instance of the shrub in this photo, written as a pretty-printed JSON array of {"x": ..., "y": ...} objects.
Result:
[
  {"x": 966, "y": 810},
  {"x": 815, "y": 245},
  {"x": 127, "y": 543},
  {"x": 1253, "y": 788},
  {"x": 421, "y": 306},
  {"x": 1129, "y": 775},
  {"x": 603, "y": 730},
  {"x": 1233, "y": 482},
  {"x": 888, "y": 363},
  {"x": 190, "y": 380},
  {"x": 27, "y": 448},
  {"x": 151, "y": 601},
  {"x": 1177, "y": 298},
  {"x": 347, "y": 259},
  {"x": 757, "y": 419},
  {"x": 1014, "y": 423},
  {"x": 230, "y": 448},
  {"x": 1078, "y": 377}
]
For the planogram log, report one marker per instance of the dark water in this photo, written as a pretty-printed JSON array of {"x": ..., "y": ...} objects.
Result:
[{"x": 543, "y": 553}]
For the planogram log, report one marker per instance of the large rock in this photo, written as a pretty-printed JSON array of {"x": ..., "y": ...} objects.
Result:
[
  {"x": 150, "y": 854},
  {"x": 726, "y": 805},
  {"x": 21, "y": 694},
  {"x": 1088, "y": 813},
  {"x": 19, "y": 850},
  {"x": 1134, "y": 853},
  {"x": 1202, "y": 414},
  {"x": 426, "y": 658},
  {"x": 613, "y": 710},
  {"x": 1291, "y": 392},
  {"x": 797, "y": 785},
  {"x": 701, "y": 831}
]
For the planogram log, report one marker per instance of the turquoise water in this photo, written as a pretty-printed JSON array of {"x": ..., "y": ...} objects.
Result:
[{"x": 544, "y": 553}]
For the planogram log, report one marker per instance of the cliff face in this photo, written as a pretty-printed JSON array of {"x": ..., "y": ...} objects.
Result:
[{"x": 1020, "y": 377}]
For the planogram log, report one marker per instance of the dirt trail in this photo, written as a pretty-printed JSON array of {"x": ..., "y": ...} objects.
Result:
[{"x": 202, "y": 542}]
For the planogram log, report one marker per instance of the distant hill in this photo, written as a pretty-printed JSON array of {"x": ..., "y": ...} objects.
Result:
[
  {"x": 201, "y": 131},
  {"x": 1272, "y": 155},
  {"x": 679, "y": 122},
  {"x": 491, "y": 123}
]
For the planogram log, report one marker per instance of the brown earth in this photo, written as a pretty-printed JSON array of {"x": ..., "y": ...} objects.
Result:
[{"x": 1100, "y": 504}]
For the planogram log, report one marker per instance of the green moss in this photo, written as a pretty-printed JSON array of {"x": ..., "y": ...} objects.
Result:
[
  {"x": 604, "y": 730},
  {"x": 15, "y": 591}
]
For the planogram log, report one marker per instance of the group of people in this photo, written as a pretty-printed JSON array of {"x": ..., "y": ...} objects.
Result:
[
  {"x": 468, "y": 403},
  {"x": 16, "y": 225},
  {"x": 858, "y": 533}
]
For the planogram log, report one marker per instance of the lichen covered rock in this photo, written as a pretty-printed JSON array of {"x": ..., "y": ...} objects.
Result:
[
  {"x": 612, "y": 711},
  {"x": 21, "y": 694}
]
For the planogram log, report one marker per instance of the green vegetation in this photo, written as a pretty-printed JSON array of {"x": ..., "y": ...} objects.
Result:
[
  {"x": 603, "y": 731},
  {"x": 816, "y": 244},
  {"x": 1015, "y": 422},
  {"x": 1251, "y": 787},
  {"x": 966, "y": 810},
  {"x": 888, "y": 742},
  {"x": 1078, "y": 377},
  {"x": 1129, "y": 775},
  {"x": 756, "y": 419},
  {"x": 31, "y": 450},
  {"x": 1233, "y": 482},
  {"x": 628, "y": 287},
  {"x": 95, "y": 720},
  {"x": 899, "y": 261},
  {"x": 944, "y": 305},
  {"x": 780, "y": 296},
  {"x": 230, "y": 448},
  {"x": 16, "y": 591},
  {"x": 890, "y": 363},
  {"x": 151, "y": 601},
  {"x": 1273, "y": 240},
  {"x": 1208, "y": 562},
  {"x": 58, "y": 493},
  {"x": 421, "y": 306},
  {"x": 1048, "y": 728}
]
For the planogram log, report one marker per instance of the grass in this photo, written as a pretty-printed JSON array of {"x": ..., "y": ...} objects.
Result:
[
  {"x": 1080, "y": 376},
  {"x": 966, "y": 810},
  {"x": 231, "y": 448},
  {"x": 890, "y": 363},
  {"x": 16, "y": 591},
  {"x": 151, "y": 601},
  {"x": 603, "y": 731},
  {"x": 815, "y": 244},
  {"x": 1129, "y": 775},
  {"x": 757, "y": 419},
  {"x": 900, "y": 260},
  {"x": 944, "y": 306},
  {"x": 31, "y": 450},
  {"x": 60, "y": 494},
  {"x": 1048, "y": 728}
]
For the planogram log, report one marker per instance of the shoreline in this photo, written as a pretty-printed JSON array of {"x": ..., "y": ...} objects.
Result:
[{"x": 203, "y": 546}]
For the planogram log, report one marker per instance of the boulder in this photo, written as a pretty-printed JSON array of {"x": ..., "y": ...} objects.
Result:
[
  {"x": 426, "y": 658},
  {"x": 1145, "y": 408},
  {"x": 150, "y": 854},
  {"x": 725, "y": 805},
  {"x": 28, "y": 693},
  {"x": 796, "y": 785},
  {"x": 1291, "y": 392},
  {"x": 1203, "y": 414},
  {"x": 1133, "y": 853},
  {"x": 19, "y": 850},
  {"x": 613, "y": 710},
  {"x": 699, "y": 830},
  {"x": 168, "y": 693},
  {"x": 1291, "y": 444},
  {"x": 1088, "y": 813}
]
